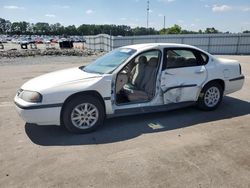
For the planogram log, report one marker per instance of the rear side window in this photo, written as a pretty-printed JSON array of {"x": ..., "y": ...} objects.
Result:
[
  {"x": 204, "y": 57},
  {"x": 183, "y": 57},
  {"x": 176, "y": 58}
]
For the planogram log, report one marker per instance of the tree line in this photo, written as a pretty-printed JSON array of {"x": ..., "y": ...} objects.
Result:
[{"x": 42, "y": 28}]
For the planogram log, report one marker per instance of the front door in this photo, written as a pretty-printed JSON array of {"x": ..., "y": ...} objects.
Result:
[{"x": 183, "y": 74}]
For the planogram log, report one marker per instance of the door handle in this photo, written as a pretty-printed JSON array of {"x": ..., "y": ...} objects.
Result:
[{"x": 200, "y": 71}]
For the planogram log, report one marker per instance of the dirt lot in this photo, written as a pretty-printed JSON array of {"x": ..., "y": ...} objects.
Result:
[
  {"x": 9, "y": 45},
  {"x": 193, "y": 149}
]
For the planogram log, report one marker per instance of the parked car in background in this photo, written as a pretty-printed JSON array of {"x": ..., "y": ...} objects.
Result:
[
  {"x": 24, "y": 40},
  {"x": 77, "y": 39},
  {"x": 39, "y": 40},
  {"x": 130, "y": 80},
  {"x": 47, "y": 40},
  {"x": 15, "y": 40},
  {"x": 54, "y": 40},
  {"x": 3, "y": 40},
  {"x": 8, "y": 38}
]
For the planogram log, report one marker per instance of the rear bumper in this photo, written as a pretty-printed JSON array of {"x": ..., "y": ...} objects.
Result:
[{"x": 234, "y": 84}]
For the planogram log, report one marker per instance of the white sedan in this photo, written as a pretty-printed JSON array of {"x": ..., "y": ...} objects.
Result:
[{"x": 130, "y": 80}]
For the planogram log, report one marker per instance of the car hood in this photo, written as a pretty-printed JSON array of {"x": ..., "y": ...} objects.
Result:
[{"x": 58, "y": 78}]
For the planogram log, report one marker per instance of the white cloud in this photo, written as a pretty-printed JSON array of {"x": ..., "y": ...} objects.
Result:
[
  {"x": 50, "y": 15},
  {"x": 150, "y": 11},
  {"x": 89, "y": 11},
  {"x": 246, "y": 9},
  {"x": 245, "y": 23},
  {"x": 225, "y": 8},
  {"x": 160, "y": 15},
  {"x": 166, "y": 1},
  {"x": 221, "y": 8},
  {"x": 123, "y": 19},
  {"x": 12, "y": 7},
  {"x": 133, "y": 25}
]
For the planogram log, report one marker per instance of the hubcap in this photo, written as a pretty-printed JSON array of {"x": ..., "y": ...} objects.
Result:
[
  {"x": 212, "y": 97},
  {"x": 84, "y": 116}
]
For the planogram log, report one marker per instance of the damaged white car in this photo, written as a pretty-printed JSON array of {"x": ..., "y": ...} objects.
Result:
[{"x": 133, "y": 79}]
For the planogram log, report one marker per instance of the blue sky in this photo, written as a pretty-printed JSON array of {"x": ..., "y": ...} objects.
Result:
[{"x": 225, "y": 15}]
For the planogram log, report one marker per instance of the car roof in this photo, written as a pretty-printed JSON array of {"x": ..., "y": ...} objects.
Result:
[
  {"x": 152, "y": 45},
  {"x": 146, "y": 46}
]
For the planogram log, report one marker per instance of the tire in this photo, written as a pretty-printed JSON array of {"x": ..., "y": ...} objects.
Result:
[
  {"x": 24, "y": 46},
  {"x": 83, "y": 114},
  {"x": 210, "y": 97}
]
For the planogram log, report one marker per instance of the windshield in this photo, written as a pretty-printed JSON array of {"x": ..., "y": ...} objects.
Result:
[{"x": 109, "y": 62}]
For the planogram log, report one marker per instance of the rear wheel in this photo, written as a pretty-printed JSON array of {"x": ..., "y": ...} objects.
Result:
[
  {"x": 210, "y": 96},
  {"x": 83, "y": 114}
]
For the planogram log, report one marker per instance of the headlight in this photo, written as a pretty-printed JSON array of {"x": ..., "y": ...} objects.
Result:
[{"x": 29, "y": 96}]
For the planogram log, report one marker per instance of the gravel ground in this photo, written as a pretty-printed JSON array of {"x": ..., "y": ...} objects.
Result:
[
  {"x": 13, "y": 51},
  {"x": 10, "y": 45},
  {"x": 193, "y": 149},
  {"x": 38, "y": 60}
]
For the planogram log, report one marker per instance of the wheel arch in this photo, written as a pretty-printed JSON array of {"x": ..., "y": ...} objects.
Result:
[
  {"x": 82, "y": 93},
  {"x": 220, "y": 81}
]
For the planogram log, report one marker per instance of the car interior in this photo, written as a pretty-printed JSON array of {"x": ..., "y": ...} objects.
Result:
[{"x": 136, "y": 81}]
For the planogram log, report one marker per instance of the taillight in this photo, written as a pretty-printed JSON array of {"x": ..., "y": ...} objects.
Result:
[{"x": 240, "y": 69}]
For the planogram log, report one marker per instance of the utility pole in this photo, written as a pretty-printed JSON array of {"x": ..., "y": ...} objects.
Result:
[
  {"x": 164, "y": 24},
  {"x": 147, "y": 13}
]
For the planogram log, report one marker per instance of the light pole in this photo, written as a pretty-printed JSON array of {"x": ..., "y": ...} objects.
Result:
[
  {"x": 164, "y": 25},
  {"x": 147, "y": 14}
]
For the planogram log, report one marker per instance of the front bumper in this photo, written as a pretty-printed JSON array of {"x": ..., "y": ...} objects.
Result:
[{"x": 38, "y": 114}]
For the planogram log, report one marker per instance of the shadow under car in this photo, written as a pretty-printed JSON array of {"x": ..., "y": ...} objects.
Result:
[{"x": 124, "y": 128}]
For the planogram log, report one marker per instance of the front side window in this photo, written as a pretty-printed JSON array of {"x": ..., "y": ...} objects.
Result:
[
  {"x": 176, "y": 58},
  {"x": 109, "y": 62}
]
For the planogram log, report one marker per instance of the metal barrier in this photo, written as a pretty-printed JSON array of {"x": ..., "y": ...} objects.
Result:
[
  {"x": 234, "y": 44},
  {"x": 100, "y": 42}
]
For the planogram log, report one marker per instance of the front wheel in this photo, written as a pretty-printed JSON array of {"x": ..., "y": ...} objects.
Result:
[
  {"x": 210, "y": 97},
  {"x": 83, "y": 114}
]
